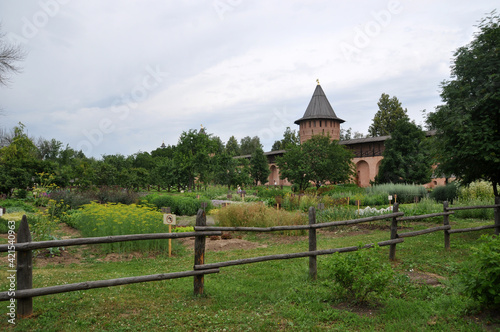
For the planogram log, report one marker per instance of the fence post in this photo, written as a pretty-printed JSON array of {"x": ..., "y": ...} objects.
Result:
[
  {"x": 313, "y": 267},
  {"x": 24, "y": 270},
  {"x": 199, "y": 252},
  {"x": 446, "y": 222},
  {"x": 394, "y": 233},
  {"x": 497, "y": 216}
]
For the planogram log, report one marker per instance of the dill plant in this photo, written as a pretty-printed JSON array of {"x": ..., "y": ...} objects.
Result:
[{"x": 96, "y": 220}]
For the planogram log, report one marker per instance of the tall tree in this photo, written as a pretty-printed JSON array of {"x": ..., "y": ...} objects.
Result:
[
  {"x": 290, "y": 137},
  {"x": 233, "y": 147},
  {"x": 468, "y": 124},
  {"x": 406, "y": 156},
  {"x": 319, "y": 160},
  {"x": 259, "y": 167},
  {"x": 249, "y": 144},
  {"x": 389, "y": 112},
  {"x": 18, "y": 162},
  {"x": 192, "y": 155}
]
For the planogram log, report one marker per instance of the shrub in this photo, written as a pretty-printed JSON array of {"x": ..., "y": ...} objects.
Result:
[
  {"x": 4, "y": 226},
  {"x": 336, "y": 214},
  {"x": 359, "y": 276},
  {"x": 118, "y": 219},
  {"x": 375, "y": 199},
  {"x": 485, "y": 214},
  {"x": 479, "y": 190},
  {"x": 425, "y": 206},
  {"x": 258, "y": 215},
  {"x": 271, "y": 192},
  {"x": 74, "y": 199},
  {"x": 14, "y": 205},
  {"x": 481, "y": 277},
  {"x": 445, "y": 193},
  {"x": 180, "y": 205},
  {"x": 406, "y": 193}
]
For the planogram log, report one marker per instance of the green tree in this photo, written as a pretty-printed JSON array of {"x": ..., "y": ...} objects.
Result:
[
  {"x": 232, "y": 146},
  {"x": 319, "y": 160},
  {"x": 406, "y": 156},
  {"x": 259, "y": 167},
  {"x": 468, "y": 124},
  {"x": 249, "y": 144},
  {"x": 192, "y": 155},
  {"x": 294, "y": 165},
  {"x": 390, "y": 111},
  {"x": 18, "y": 162},
  {"x": 290, "y": 137},
  {"x": 330, "y": 162}
]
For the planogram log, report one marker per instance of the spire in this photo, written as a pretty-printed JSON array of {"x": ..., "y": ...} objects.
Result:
[{"x": 319, "y": 107}]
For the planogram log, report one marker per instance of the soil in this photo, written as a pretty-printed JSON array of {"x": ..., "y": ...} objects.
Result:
[{"x": 219, "y": 244}]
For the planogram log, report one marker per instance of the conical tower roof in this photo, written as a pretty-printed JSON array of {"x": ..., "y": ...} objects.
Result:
[{"x": 319, "y": 108}]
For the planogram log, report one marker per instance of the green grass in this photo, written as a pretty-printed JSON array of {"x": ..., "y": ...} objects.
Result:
[{"x": 274, "y": 295}]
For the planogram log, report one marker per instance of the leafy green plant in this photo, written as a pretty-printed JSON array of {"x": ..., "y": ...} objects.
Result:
[
  {"x": 481, "y": 275},
  {"x": 359, "y": 276},
  {"x": 405, "y": 193},
  {"x": 479, "y": 190},
  {"x": 14, "y": 205},
  {"x": 179, "y": 205},
  {"x": 485, "y": 214},
  {"x": 258, "y": 215},
  {"x": 445, "y": 193},
  {"x": 118, "y": 219}
]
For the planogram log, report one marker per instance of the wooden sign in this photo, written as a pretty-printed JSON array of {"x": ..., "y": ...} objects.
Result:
[
  {"x": 169, "y": 219},
  {"x": 390, "y": 198}
]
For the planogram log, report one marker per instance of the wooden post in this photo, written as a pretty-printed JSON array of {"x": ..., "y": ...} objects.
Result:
[
  {"x": 497, "y": 216},
  {"x": 24, "y": 270},
  {"x": 199, "y": 252},
  {"x": 446, "y": 222},
  {"x": 169, "y": 241},
  {"x": 313, "y": 267},
  {"x": 394, "y": 233}
]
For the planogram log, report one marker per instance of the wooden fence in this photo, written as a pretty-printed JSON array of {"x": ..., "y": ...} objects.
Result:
[{"x": 25, "y": 293}]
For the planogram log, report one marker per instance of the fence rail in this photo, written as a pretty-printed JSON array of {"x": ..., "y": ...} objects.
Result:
[{"x": 25, "y": 291}]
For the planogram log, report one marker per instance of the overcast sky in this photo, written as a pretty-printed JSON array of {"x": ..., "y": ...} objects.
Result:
[{"x": 112, "y": 77}]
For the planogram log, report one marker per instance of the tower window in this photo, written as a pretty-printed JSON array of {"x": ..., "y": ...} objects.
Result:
[{"x": 320, "y": 123}]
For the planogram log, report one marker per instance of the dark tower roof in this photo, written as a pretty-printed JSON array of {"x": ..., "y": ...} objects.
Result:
[{"x": 319, "y": 108}]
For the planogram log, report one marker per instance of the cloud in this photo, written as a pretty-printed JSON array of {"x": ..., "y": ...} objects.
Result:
[{"x": 247, "y": 69}]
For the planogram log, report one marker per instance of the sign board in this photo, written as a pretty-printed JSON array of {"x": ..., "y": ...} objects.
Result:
[
  {"x": 390, "y": 198},
  {"x": 169, "y": 219}
]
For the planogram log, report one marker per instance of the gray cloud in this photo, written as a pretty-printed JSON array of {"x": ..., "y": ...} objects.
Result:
[{"x": 237, "y": 67}]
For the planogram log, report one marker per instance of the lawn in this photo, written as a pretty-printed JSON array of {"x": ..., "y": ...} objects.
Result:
[{"x": 274, "y": 295}]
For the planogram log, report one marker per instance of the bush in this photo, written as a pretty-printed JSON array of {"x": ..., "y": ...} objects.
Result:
[
  {"x": 406, "y": 193},
  {"x": 180, "y": 205},
  {"x": 271, "y": 192},
  {"x": 445, "y": 193},
  {"x": 4, "y": 226},
  {"x": 95, "y": 220},
  {"x": 359, "y": 276},
  {"x": 485, "y": 214},
  {"x": 481, "y": 277},
  {"x": 258, "y": 215},
  {"x": 479, "y": 190},
  {"x": 77, "y": 198},
  {"x": 14, "y": 205}
]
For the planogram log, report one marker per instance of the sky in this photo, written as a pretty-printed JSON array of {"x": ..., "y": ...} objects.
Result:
[{"x": 121, "y": 76}]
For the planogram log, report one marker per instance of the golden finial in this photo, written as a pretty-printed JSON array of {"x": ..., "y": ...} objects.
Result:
[
  {"x": 201, "y": 126},
  {"x": 317, "y": 81}
]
